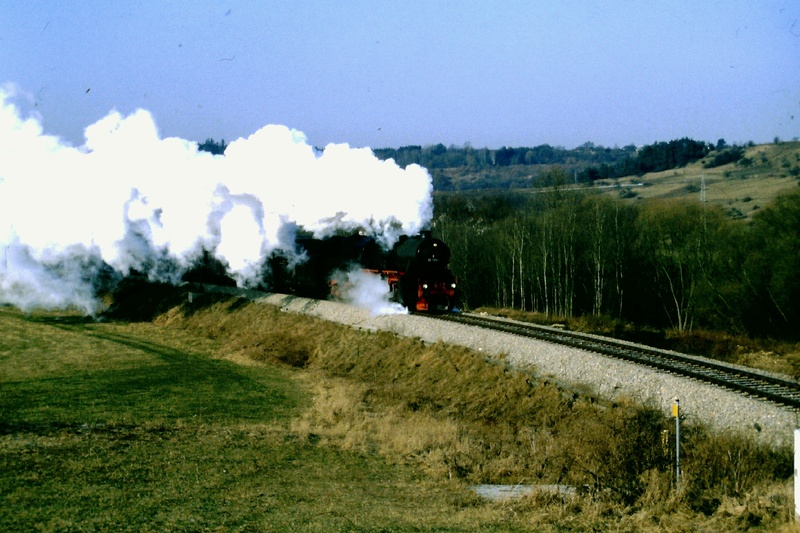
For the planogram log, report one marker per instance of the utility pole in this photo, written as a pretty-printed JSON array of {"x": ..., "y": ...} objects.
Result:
[{"x": 703, "y": 190}]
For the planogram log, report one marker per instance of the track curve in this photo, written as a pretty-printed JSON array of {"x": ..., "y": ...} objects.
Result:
[{"x": 780, "y": 390}]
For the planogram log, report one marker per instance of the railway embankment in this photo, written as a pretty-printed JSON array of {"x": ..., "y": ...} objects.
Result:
[{"x": 609, "y": 379}]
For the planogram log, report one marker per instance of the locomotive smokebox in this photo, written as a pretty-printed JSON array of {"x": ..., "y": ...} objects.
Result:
[{"x": 422, "y": 248}]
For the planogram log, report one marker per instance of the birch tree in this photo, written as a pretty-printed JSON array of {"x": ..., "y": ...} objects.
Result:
[{"x": 674, "y": 236}]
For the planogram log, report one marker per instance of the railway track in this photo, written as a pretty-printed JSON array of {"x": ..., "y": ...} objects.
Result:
[{"x": 782, "y": 391}]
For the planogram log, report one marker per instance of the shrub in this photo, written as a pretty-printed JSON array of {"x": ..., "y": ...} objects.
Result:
[
  {"x": 728, "y": 465},
  {"x": 714, "y": 344},
  {"x": 729, "y": 155}
]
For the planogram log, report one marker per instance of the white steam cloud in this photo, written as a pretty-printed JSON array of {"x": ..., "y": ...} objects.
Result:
[
  {"x": 130, "y": 200},
  {"x": 367, "y": 290}
]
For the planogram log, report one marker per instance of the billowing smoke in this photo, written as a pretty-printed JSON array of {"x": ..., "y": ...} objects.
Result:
[
  {"x": 128, "y": 200},
  {"x": 367, "y": 290}
]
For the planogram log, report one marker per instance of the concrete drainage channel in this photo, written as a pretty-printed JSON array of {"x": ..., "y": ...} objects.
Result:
[{"x": 515, "y": 492}]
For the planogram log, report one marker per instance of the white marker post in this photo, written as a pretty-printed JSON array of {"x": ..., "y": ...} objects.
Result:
[
  {"x": 676, "y": 413},
  {"x": 797, "y": 475}
]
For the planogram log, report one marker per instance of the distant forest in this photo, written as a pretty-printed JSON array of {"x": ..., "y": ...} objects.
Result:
[
  {"x": 524, "y": 167},
  {"x": 460, "y": 168}
]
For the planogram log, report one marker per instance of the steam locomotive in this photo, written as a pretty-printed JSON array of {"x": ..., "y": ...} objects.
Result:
[{"x": 415, "y": 269}]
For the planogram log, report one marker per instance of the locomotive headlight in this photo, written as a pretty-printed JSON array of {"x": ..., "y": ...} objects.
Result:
[
  {"x": 425, "y": 286},
  {"x": 452, "y": 285}
]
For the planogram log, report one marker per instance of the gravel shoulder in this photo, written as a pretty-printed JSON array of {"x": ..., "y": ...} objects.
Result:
[{"x": 719, "y": 409}]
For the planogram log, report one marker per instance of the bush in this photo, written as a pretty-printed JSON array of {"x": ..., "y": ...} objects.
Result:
[
  {"x": 729, "y": 155},
  {"x": 728, "y": 465},
  {"x": 714, "y": 344}
]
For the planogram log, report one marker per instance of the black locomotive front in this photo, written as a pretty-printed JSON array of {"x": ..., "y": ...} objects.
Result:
[{"x": 425, "y": 283}]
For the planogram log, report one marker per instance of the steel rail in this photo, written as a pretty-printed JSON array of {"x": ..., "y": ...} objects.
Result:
[{"x": 782, "y": 391}]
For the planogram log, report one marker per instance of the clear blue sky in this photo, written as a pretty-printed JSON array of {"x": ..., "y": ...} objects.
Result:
[{"x": 387, "y": 74}]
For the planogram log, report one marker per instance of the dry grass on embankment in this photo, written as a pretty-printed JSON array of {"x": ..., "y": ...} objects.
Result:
[
  {"x": 292, "y": 409},
  {"x": 451, "y": 413}
]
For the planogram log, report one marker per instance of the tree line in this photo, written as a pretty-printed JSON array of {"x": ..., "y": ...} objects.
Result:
[
  {"x": 439, "y": 156},
  {"x": 671, "y": 265},
  {"x": 599, "y": 161},
  {"x": 526, "y": 167}
]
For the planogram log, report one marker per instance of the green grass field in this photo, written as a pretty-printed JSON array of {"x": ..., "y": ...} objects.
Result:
[{"x": 125, "y": 427}]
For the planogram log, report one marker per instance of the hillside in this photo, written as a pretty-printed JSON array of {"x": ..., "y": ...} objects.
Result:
[{"x": 740, "y": 189}]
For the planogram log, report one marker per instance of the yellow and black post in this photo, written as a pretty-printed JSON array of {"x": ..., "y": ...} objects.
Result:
[{"x": 676, "y": 413}]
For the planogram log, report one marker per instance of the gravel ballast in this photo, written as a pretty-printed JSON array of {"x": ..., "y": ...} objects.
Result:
[{"x": 608, "y": 378}]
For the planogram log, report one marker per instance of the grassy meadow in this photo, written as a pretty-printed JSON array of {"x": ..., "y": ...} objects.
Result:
[
  {"x": 224, "y": 415},
  {"x": 129, "y": 426}
]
